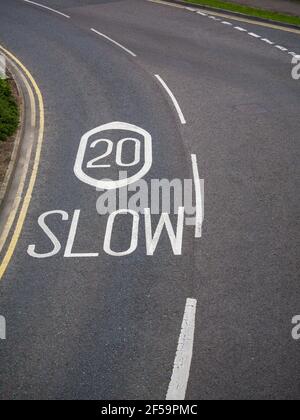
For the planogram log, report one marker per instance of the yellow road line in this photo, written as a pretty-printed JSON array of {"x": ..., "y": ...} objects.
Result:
[
  {"x": 27, "y": 199},
  {"x": 232, "y": 17},
  {"x": 16, "y": 204},
  {"x": 18, "y": 198},
  {"x": 32, "y": 102}
]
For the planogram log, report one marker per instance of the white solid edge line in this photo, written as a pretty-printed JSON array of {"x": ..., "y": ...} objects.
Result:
[
  {"x": 114, "y": 42},
  {"x": 174, "y": 100},
  {"x": 48, "y": 8},
  {"x": 199, "y": 198},
  {"x": 182, "y": 364}
]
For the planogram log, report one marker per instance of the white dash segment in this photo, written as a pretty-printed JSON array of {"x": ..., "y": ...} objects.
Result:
[
  {"x": 201, "y": 13},
  {"x": 47, "y": 8},
  {"x": 254, "y": 35},
  {"x": 114, "y": 42},
  {"x": 294, "y": 54},
  {"x": 182, "y": 365},
  {"x": 279, "y": 47},
  {"x": 238, "y": 28},
  {"x": 267, "y": 41},
  {"x": 174, "y": 100},
  {"x": 199, "y": 193},
  {"x": 227, "y": 23}
]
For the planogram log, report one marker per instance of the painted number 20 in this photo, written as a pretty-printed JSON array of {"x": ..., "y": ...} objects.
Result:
[
  {"x": 142, "y": 155},
  {"x": 94, "y": 163}
]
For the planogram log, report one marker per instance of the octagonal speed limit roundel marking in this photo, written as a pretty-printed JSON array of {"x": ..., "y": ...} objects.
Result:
[{"x": 80, "y": 166}]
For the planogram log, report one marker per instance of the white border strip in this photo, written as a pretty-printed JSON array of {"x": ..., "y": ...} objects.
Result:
[
  {"x": 174, "y": 100},
  {"x": 254, "y": 35},
  {"x": 240, "y": 29},
  {"x": 182, "y": 365},
  {"x": 199, "y": 199},
  {"x": 114, "y": 42},
  {"x": 268, "y": 41},
  {"x": 47, "y": 8}
]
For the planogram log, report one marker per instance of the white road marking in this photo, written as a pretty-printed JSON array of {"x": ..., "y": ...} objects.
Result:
[
  {"x": 152, "y": 238},
  {"x": 137, "y": 152},
  {"x": 213, "y": 16},
  {"x": 71, "y": 240},
  {"x": 279, "y": 47},
  {"x": 240, "y": 29},
  {"x": 153, "y": 235},
  {"x": 267, "y": 41},
  {"x": 174, "y": 100},
  {"x": 47, "y": 8},
  {"x": 182, "y": 365},
  {"x": 2, "y": 328},
  {"x": 236, "y": 18},
  {"x": 134, "y": 234},
  {"x": 199, "y": 199},
  {"x": 254, "y": 35},
  {"x": 105, "y": 184},
  {"x": 48, "y": 232},
  {"x": 114, "y": 42}
]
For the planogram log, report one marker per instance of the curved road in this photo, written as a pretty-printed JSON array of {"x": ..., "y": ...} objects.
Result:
[{"x": 105, "y": 327}]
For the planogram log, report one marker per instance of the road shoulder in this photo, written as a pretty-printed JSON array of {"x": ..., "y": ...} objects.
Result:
[
  {"x": 24, "y": 167},
  {"x": 10, "y": 147},
  {"x": 243, "y": 11}
]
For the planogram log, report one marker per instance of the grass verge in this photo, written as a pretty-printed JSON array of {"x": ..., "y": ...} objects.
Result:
[
  {"x": 9, "y": 113},
  {"x": 251, "y": 11}
]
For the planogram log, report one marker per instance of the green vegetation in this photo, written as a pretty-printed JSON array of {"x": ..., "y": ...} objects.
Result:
[
  {"x": 9, "y": 113},
  {"x": 251, "y": 11}
]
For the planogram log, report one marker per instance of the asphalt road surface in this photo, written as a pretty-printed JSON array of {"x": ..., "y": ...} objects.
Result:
[{"x": 107, "y": 327}]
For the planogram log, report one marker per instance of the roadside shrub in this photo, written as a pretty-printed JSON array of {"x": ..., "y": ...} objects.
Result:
[{"x": 9, "y": 113}]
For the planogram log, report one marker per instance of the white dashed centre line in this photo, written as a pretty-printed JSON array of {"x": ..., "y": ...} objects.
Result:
[
  {"x": 114, "y": 42},
  {"x": 254, "y": 35},
  {"x": 174, "y": 100},
  {"x": 279, "y": 47},
  {"x": 240, "y": 29},
  {"x": 47, "y": 8},
  {"x": 268, "y": 41},
  {"x": 199, "y": 198},
  {"x": 182, "y": 365}
]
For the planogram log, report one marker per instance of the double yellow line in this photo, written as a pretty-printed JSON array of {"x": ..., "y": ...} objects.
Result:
[{"x": 26, "y": 202}]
